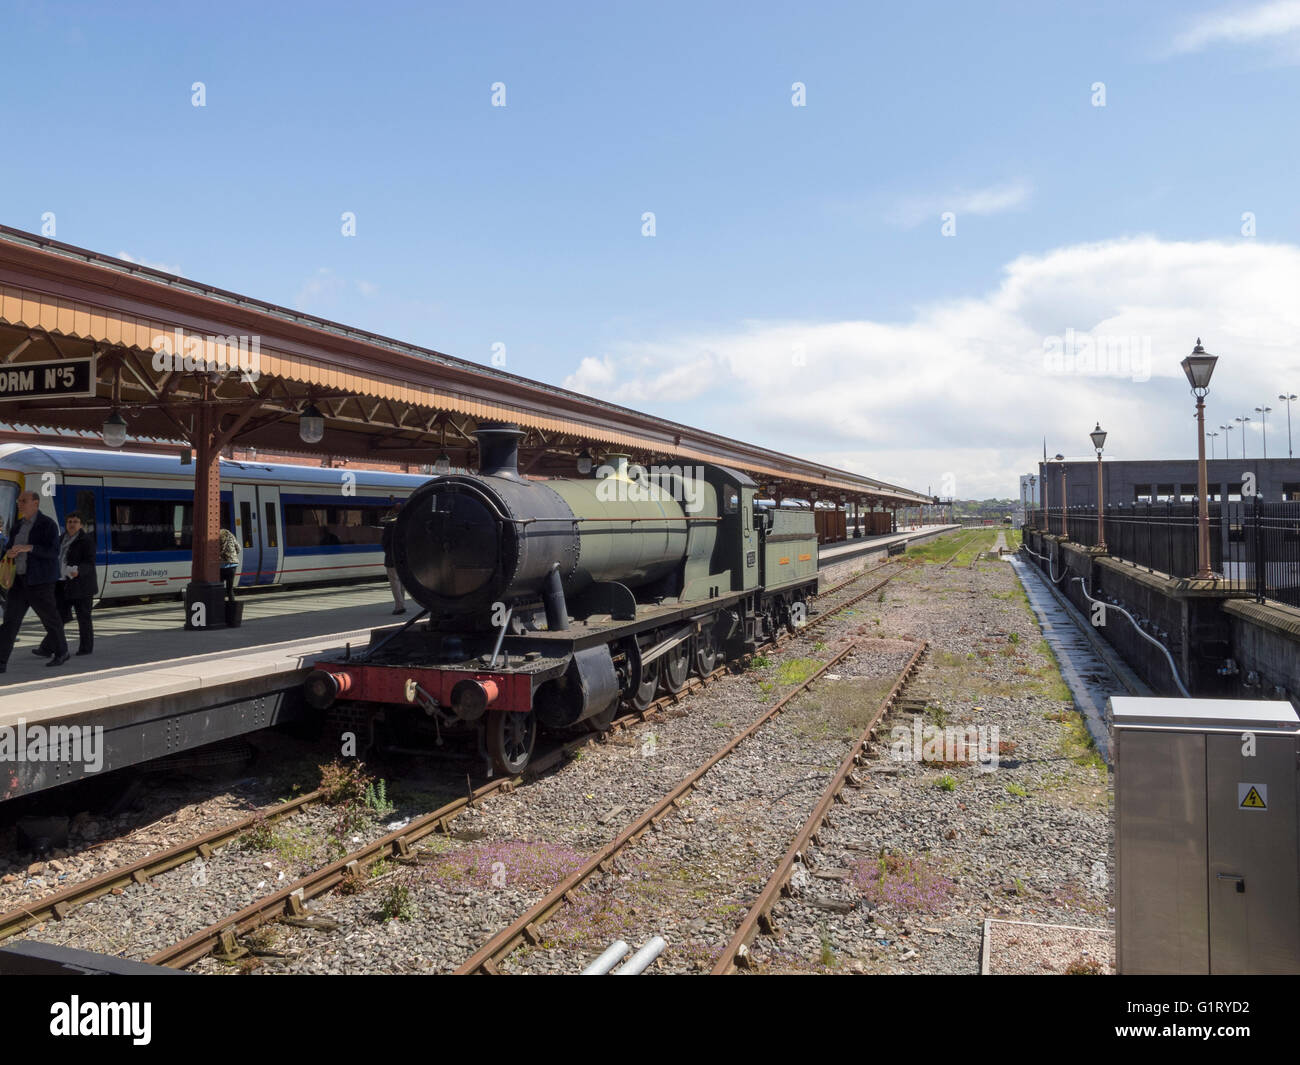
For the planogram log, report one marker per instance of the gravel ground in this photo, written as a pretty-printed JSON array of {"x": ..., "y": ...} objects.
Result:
[
  {"x": 692, "y": 878},
  {"x": 161, "y": 811},
  {"x": 1020, "y": 948},
  {"x": 923, "y": 853},
  {"x": 142, "y": 919},
  {"x": 903, "y": 881},
  {"x": 507, "y": 853}
]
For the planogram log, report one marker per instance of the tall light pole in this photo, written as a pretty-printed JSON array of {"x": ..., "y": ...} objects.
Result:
[
  {"x": 1227, "y": 440},
  {"x": 1287, "y": 400},
  {"x": 1199, "y": 367},
  {"x": 1099, "y": 441},
  {"x": 1243, "y": 433},
  {"x": 1065, "y": 533},
  {"x": 1047, "y": 509},
  {"x": 1211, "y": 436},
  {"x": 1263, "y": 421}
]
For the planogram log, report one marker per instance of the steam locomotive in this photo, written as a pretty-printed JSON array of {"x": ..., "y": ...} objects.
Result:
[{"x": 547, "y": 604}]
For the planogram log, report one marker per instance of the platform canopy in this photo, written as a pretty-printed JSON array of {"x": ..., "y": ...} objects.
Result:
[{"x": 381, "y": 399}]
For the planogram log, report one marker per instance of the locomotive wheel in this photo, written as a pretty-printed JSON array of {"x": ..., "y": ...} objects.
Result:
[
  {"x": 707, "y": 652},
  {"x": 511, "y": 736},
  {"x": 601, "y": 722},
  {"x": 772, "y": 620},
  {"x": 677, "y": 668},
  {"x": 645, "y": 693}
]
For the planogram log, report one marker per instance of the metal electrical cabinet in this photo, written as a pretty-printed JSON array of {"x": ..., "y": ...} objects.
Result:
[{"x": 1207, "y": 853}]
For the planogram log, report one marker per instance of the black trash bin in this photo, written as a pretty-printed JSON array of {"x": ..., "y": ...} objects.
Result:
[{"x": 234, "y": 613}]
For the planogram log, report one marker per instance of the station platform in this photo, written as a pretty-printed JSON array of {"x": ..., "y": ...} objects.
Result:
[
  {"x": 153, "y": 689},
  {"x": 861, "y": 549}
]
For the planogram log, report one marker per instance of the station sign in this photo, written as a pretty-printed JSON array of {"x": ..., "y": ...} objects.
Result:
[{"x": 60, "y": 379}]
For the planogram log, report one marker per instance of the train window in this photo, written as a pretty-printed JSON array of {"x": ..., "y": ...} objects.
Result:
[
  {"x": 308, "y": 525},
  {"x": 85, "y": 510},
  {"x": 271, "y": 540},
  {"x": 730, "y": 503},
  {"x": 150, "y": 525},
  {"x": 246, "y": 524},
  {"x": 225, "y": 515}
]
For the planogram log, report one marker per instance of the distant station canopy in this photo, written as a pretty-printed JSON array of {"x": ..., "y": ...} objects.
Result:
[{"x": 113, "y": 353}]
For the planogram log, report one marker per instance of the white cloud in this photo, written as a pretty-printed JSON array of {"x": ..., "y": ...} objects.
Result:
[
  {"x": 1261, "y": 23},
  {"x": 593, "y": 376},
  {"x": 994, "y": 199},
  {"x": 166, "y": 268},
  {"x": 969, "y": 387},
  {"x": 323, "y": 292}
]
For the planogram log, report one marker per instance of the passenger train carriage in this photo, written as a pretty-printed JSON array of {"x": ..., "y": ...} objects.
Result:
[{"x": 297, "y": 524}]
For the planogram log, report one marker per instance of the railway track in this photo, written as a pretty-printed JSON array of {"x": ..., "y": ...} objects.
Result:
[
  {"x": 960, "y": 547},
  {"x": 61, "y": 903},
  {"x": 759, "y": 917},
  {"x": 287, "y": 903},
  {"x": 525, "y": 929}
]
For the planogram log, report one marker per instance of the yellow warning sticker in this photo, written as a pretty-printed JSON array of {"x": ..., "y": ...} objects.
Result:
[{"x": 1252, "y": 796}]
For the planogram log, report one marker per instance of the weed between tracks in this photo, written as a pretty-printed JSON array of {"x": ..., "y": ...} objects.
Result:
[
  {"x": 964, "y": 543},
  {"x": 839, "y": 708},
  {"x": 626, "y": 905},
  {"x": 515, "y": 864},
  {"x": 906, "y": 883}
]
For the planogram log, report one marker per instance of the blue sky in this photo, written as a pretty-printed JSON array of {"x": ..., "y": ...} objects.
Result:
[{"x": 798, "y": 291}]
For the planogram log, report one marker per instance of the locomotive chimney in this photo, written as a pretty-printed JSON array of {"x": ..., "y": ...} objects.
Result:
[{"x": 498, "y": 449}]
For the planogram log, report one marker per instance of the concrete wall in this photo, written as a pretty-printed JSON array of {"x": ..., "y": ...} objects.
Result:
[
  {"x": 1265, "y": 642},
  {"x": 1205, "y": 630}
]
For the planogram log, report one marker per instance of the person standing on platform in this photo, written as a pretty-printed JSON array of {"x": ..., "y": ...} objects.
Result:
[
  {"x": 35, "y": 551},
  {"x": 4, "y": 546},
  {"x": 79, "y": 586},
  {"x": 231, "y": 556},
  {"x": 389, "y": 523}
]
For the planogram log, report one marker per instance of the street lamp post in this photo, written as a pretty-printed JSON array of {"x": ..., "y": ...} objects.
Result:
[
  {"x": 1211, "y": 436},
  {"x": 1243, "y": 433},
  {"x": 1199, "y": 367},
  {"x": 1287, "y": 400},
  {"x": 1227, "y": 440},
  {"x": 1099, "y": 441},
  {"x": 1065, "y": 533},
  {"x": 1263, "y": 413}
]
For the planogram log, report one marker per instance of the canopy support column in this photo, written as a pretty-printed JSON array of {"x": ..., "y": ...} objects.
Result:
[{"x": 204, "y": 595}]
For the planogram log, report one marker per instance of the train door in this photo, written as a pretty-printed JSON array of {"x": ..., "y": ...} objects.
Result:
[
  {"x": 85, "y": 496},
  {"x": 268, "y": 502},
  {"x": 244, "y": 499},
  {"x": 257, "y": 528}
]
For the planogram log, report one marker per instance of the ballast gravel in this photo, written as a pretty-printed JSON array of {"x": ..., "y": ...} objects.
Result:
[{"x": 929, "y": 845}]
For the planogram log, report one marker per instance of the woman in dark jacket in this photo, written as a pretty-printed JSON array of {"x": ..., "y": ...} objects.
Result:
[{"x": 79, "y": 584}]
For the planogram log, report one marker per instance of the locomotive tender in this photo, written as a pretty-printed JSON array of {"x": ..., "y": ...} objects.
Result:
[{"x": 549, "y": 603}]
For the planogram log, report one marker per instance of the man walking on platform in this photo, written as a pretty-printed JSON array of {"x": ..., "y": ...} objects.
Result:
[{"x": 35, "y": 551}]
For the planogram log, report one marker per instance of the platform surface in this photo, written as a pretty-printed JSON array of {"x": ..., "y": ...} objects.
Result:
[
  {"x": 847, "y": 548},
  {"x": 142, "y": 650}
]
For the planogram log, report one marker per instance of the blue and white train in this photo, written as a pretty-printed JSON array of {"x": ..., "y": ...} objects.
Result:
[{"x": 297, "y": 524}]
